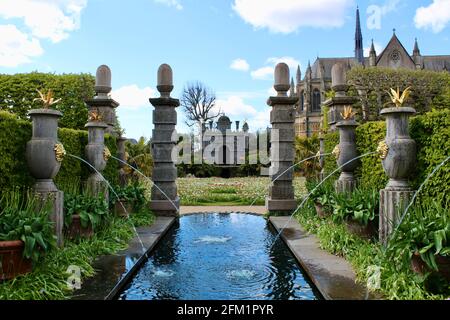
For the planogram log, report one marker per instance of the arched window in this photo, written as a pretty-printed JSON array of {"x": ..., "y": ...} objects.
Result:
[
  {"x": 302, "y": 100},
  {"x": 316, "y": 100}
]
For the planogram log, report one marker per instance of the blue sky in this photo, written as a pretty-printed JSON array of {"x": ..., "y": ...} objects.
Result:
[{"x": 230, "y": 45}]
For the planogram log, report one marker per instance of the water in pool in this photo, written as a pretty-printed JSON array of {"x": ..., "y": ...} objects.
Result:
[{"x": 220, "y": 257}]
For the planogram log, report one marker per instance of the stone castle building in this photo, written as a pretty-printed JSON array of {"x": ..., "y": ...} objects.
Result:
[{"x": 312, "y": 89}]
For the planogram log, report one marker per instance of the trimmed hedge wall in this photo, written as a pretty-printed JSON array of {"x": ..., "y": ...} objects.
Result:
[
  {"x": 18, "y": 91},
  {"x": 14, "y": 135},
  {"x": 431, "y": 132}
]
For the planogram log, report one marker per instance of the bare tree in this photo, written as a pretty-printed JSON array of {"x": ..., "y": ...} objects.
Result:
[{"x": 198, "y": 102}]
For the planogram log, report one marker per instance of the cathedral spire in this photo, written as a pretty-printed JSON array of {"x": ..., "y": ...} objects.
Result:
[
  {"x": 299, "y": 75},
  {"x": 372, "y": 56},
  {"x": 359, "y": 51},
  {"x": 416, "y": 51}
]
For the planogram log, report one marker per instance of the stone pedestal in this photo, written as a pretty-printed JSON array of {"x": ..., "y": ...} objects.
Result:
[
  {"x": 282, "y": 117},
  {"x": 165, "y": 200},
  {"x": 102, "y": 103},
  {"x": 340, "y": 100},
  {"x": 392, "y": 206},
  {"x": 55, "y": 201},
  {"x": 97, "y": 154},
  {"x": 347, "y": 152}
]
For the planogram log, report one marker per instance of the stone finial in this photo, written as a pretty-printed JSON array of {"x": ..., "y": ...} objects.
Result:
[
  {"x": 339, "y": 79},
  {"x": 103, "y": 81},
  {"x": 165, "y": 80},
  {"x": 282, "y": 79}
]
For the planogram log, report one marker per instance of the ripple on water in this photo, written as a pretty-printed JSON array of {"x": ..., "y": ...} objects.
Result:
[
  {"x": 163, "y": 273},
  {"x": 212, "y": 239}
]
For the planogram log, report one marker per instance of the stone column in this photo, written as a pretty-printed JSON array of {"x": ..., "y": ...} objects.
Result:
[
  {"x": 340, "y": 100},
  {"x": 121, "y": 155},
  {"x": 102, "y": 102},
  {"x": 97, "y": 154},
  {"x": 44, "y": 156},
  {"x": 398, "y": 154},
  {"x": 346, "y": 151},
  {"x": 282, "y": 117},
  {"x": 165, "y": 200}
]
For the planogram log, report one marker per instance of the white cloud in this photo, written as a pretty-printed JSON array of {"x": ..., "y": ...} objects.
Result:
[
  {"x": 287, "y": 16},
  {"x": 436, "y": 16},
  {"x": 240, "y": 65},
  {"x": 46, "y": 19},
  {"x": 267, "y": 72},
  {"x": 170, "y": 3},
  {"x": 16, "y": 47},
  {"x": 131, "y": 96},
  {"x": 263, "y": 73},
  {"x": 236, "y": 108},
  {"x": 378, "y": 49}
]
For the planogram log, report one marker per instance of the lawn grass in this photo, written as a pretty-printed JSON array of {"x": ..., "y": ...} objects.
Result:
[
  {"x": 48, "y": 281},
  {"x": 228, "y": 192}
]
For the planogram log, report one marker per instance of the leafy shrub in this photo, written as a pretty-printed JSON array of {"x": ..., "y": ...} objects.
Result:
[
  {"x": 22, "y": 219},
  {"x": 306, "y": 148},
  {"x": 93, "y": 211},
  {"x": 425, "y": 231},
  {"x": 429, "y": 89},
  {"x": 431, "y": 132},
  {"x": 361, "y": 205},
  {"x": 14, "y": 135},
  {"x": 18, "y": 91},
  {"x": 133, "y": 193}
]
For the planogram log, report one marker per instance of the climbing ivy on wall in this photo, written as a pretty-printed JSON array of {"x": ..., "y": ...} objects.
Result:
[
  {"x": 14, "y": 135},
  {"x": 18, "y": 91}
]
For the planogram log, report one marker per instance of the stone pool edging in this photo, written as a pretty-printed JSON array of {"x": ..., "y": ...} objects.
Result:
[
  {"x": 333, "y": 276},
  {"x": 113, "y": 272}
]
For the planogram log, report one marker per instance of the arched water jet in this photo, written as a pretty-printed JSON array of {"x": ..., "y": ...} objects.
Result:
[
  {"x": 414, "y": 198},
  {"x": 144, "y": 251},
  {"x": 148, "y": 179},
  {"x": 309, "y": 194},
  {"x": 293, "y": 166}
]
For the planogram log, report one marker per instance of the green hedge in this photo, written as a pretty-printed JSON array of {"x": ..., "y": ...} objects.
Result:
[
  {"x": 18, "y": 91},
  {"x": 14, "y": 135},
  {"x": 431, "y": 132},
  {"x": 430, "y": 90}
]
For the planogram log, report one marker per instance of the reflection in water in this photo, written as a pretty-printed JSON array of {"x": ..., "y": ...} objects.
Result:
[{"x": 220, "y": 256}]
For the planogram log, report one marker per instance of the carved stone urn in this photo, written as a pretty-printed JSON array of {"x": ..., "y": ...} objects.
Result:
[
  {"x": 97, "y": 154},
  {"x": 44, "y": 152},
  {"x": 346, "y": 152},
  {"x": 400, "y": 155}
]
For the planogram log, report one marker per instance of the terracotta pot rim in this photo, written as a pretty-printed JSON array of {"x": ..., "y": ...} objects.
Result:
[
  {"x": 11, "y": 243},
  {"x": 47, "y": 112},
  {"x": 398, "y": 110}
]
